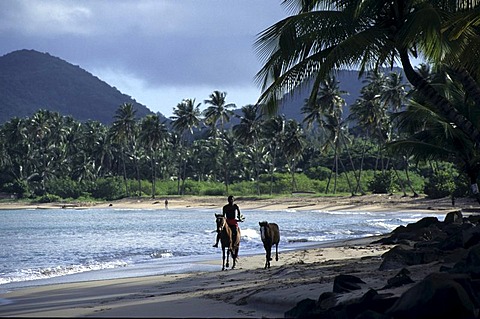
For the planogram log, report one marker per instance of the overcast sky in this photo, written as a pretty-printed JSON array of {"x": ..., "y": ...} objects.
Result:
[{"x": 157, "y": 51}]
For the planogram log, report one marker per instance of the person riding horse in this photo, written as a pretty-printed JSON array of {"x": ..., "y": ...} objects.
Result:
[{"x": 229, "y": 211}]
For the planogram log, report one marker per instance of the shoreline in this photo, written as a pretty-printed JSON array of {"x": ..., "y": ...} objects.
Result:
[
  {"x": 372, "y": 202},
  {"x": 246, "y": 292}
]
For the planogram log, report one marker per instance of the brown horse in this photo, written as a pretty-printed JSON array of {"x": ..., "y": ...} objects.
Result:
[
  {"x": 230, "y": 242},
  {"x": 270, "y": 236}
]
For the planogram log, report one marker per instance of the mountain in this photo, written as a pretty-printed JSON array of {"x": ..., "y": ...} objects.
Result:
[
  {"x": 348, "y": 81},
  {"x": 31, "y": 80}
]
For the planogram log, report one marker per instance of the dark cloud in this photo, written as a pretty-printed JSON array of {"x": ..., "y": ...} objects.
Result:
[{"x": 147, "y": 46}]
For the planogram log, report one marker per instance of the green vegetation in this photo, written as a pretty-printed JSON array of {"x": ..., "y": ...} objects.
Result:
[{"x": 411, "y": 138}]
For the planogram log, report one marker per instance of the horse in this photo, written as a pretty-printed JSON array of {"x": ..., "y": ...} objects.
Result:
[
  {"x": 270, "y": 236},
  {"x": 230, "y": 245}
]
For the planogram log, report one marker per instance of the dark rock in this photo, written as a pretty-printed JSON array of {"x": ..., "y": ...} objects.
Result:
[
  {"x": 346, "y": 283},
  {"x": 401, "y": 256},
  {"x": 327, "y": 300},
  {"x": 454, "y": 217},
  {"x": 423, "y": 223},
  {"x": 400, "y": 279},
  {"x": 303, "y": 309},
  {"x": 474, "y": 219},
  {"x": 437, "y": 296},
  {"x": 470, "y": 264},
  {"x": 370, "y": 314},
  {"x": 370, "y": 305},
  {"x": 471, "y": 236}
]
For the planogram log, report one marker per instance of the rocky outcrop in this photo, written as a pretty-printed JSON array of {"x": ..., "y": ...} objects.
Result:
[{"x": 453, "y": 292}]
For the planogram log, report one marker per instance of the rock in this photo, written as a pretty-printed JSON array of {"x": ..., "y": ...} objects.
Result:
[
  {"x": 327, "y": 300},
  {"x": 370, "y": 305},
  {"x": 470, "y": 264},
  {"x": 303, "y": 309},
  {"x": 437, "y": 296},
  {"x": 401, "y": 256},
  {"x": 471, "y": 236},
  {"x": 454, "y": 217},
  {"x": 346, "y": 283},
  {"x": 400, "y": 279}
]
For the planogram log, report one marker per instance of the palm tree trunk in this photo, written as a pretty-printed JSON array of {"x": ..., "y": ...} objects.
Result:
[
  {"x": 346, "y": 176},
  {"x": 154, "y": 174},
  {"x": 415, "y": 194},
  {"x": 125, "y": 176},
  {"x": 469, "y": 84},
  {"x": 359, "y": 185}
]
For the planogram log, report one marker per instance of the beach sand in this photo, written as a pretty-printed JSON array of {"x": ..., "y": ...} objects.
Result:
[{"x": 249, "y": 291}]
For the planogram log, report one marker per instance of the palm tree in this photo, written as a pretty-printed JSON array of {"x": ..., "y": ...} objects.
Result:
[
  {"x": 429, "y": 135},
  {"x": 153, "y": 134},
  {"x": 326, "y": 112},
  {"x": 274, "y": 133},
  {"x": 248, "y": 133},
  {"x": 185, "y": 118},
  {"x": 123, "y": 132},
  {"x": 293, "y": 146},
  {"x": 325, "y": 36},
  {"x": 218, "y": 110}
]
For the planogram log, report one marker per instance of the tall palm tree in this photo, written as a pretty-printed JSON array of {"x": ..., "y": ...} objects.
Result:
[
  {"x": 428, "y": 134},
  {"x": 326, "y": 112},
  {"x": 324, "y": 36},
  {"x": 186, "y": 117},
  {"x": 293, "y": 146},
  {"x": 153, "y": 134},
  {"x": 274, "y": 133},
  {"x": 248, "y": 132},
  {"x": 219, "y": 111},
  {"x": 123, "y": 131}
]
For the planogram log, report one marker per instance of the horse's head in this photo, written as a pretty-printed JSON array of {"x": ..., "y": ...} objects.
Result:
[
  {"x": 220, "y": 221},
  {"x": 264, "y": 229}
]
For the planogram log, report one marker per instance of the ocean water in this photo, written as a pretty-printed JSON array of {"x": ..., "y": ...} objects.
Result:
[{"x": 42, "y": 246}]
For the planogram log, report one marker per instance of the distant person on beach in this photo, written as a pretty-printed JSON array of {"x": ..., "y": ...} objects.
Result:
[
  {"x": 229, "y": 211},
  {"x": 166, "y": 203}
]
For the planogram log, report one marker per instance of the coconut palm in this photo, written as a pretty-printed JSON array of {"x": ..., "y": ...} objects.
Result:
[
  {"x": 123, "y": 132},
  {"x": 324, "y": 36},
  {"x": 293, "y": 146},
  {"x": 430, "y": 135},
  {"x": 326, "y": 113},
  {"x": 218, "y": 111},
  {"x": 274, "y": 133},
  {"x": 153, "y": 135},
  {"x": 248, "y": 132},
  {"x": 186, "y": 117}
]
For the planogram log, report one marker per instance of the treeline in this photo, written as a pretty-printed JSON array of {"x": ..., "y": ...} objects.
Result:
[{"x": 392, "y": 141}]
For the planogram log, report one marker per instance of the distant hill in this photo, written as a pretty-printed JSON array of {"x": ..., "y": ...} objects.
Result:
[
  {"x": 349, "y": 81},
  {"x": 31, "y": 80}
]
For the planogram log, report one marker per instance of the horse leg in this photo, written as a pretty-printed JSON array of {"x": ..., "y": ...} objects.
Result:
[
  {"x": 276, "y": 252},
  {"x": 228, "y": 255},
  {"x": 223, "y": 259},
  {"x": 234, "y": 256}
]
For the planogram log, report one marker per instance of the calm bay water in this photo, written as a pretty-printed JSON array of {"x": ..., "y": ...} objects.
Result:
[{"x": 41, "y": 246}]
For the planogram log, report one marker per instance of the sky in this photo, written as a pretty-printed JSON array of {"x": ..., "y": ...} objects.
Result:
[{"x": 157, "y": 51}]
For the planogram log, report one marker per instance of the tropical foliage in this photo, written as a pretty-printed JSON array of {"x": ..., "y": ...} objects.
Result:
[{"x": 414, "y": 135}]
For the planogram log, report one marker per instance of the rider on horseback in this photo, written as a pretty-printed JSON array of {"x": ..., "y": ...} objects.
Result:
[{"x": 229, "y": 211}]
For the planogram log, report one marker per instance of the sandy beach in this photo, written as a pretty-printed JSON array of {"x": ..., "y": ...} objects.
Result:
[{"x": 246, "y": 292}]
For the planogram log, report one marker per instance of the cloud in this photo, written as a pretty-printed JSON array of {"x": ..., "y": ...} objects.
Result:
[{"x": 148, "y": 47}]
